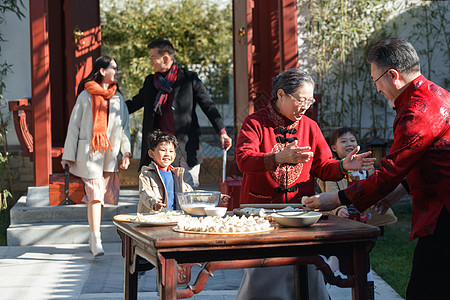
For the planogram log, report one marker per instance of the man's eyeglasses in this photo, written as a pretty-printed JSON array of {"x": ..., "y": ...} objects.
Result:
[
  {"x": 374, "y": 83},
  {"x": 306, "y": 102}
]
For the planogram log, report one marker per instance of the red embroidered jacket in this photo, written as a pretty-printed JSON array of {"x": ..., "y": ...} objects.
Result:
[
  {"x": 421, "y": 153},
  {"x": 255, "y": 156}
]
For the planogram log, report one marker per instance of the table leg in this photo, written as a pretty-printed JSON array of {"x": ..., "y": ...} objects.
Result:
[
  {"x": 167, "y": 273},
  {"x": 301, "y": 282},
  {"x": 130, "y": 282},
  {"x": 360, "y": 268}
]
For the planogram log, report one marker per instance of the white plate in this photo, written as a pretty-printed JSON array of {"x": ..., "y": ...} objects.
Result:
[{"x": 296, "y": 219}]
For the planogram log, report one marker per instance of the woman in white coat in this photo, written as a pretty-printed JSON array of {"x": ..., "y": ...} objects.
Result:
[{"x": 98, "y": 130}]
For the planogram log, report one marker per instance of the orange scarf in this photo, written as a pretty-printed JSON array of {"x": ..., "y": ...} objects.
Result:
[{"x": 99, "y": 97}]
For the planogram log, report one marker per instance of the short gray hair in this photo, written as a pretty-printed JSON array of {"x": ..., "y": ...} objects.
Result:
[
  {"x": 290, "y": 80},
  {"x": 395, "y": 53}
]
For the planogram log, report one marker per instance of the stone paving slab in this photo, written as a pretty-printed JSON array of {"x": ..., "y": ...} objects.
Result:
[{"x": 71, "y": 272}]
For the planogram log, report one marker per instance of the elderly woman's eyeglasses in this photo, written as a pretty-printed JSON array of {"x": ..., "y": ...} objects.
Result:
[
  {"x": 306, "y": 102},
  {"x": 374, "y": 83}
]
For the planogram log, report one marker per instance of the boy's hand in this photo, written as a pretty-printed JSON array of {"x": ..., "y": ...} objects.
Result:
[
  {"x": 158, "y": 206},
  {"x": 224, "y": 200}
]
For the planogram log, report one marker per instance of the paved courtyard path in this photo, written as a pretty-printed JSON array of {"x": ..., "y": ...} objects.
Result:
[{"x": 71, "y": 272}]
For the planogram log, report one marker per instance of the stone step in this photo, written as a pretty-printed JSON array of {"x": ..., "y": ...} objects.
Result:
[
  {"x": 67, "y": 224},
  {"x": 57, "y": 233},
  {"x": 23, "y": 214}
]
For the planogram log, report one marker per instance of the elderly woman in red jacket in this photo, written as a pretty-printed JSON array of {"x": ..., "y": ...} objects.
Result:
[{"x": 280, "y": 151}]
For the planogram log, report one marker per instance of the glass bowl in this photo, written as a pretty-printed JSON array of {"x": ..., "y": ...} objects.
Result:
[{"x": 194, "y": 202}]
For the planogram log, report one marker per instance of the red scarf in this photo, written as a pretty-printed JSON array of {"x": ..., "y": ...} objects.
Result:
[
  {"x": 99, "y": 97},
  {"x": 164, "y": 86}
]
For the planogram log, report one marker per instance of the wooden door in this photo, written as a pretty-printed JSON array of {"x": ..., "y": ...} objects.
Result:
[
  {"x": 57, "y": 65},
  {"x": 82, "y": 43},
  {"x": 264, "y": 43},
  {"x": 73, "y": 49},
  {"x": 70, "y": 60}
]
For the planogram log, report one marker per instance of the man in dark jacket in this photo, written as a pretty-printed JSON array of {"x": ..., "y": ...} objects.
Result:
[{"x": 169, "y": 98}]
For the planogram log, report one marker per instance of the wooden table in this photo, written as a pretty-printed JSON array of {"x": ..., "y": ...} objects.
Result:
[{"x": 173, "y": 254}]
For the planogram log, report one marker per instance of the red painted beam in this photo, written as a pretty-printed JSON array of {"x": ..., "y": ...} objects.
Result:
[{"x": 40, "y": 81}]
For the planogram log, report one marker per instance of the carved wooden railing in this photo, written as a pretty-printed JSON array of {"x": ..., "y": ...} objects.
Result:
[{"x": 24, "y": 125}]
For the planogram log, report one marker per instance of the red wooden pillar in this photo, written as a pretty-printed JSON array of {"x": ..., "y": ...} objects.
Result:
[
  {"x": 40, "y": 81},
  {"x": 274, "y": 46},
  {"x": 265, "y": 42}
]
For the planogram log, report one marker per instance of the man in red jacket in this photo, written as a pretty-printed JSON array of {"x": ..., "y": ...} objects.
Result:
[{"x": 421, "y": 153}]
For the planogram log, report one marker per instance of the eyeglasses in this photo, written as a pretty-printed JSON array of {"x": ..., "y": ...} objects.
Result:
[
  {"x": 374, "y": 83},
  {"x": 306, "y": 102}
]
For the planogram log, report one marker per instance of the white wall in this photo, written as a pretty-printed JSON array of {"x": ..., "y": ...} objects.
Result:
[{"x": 16, "y": 52}]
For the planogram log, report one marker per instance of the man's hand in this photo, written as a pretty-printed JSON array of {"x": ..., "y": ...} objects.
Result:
[
  {"x": 293, "y": 154},
  {"x": 390, "y": 199},
  {"x": 226, "y": 141},
  {"x": 355, "y": 161},
  {"x": 326, "y": 201}
]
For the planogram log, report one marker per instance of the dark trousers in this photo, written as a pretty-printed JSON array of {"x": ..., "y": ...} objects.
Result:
[{"x": 430, "y": 275}]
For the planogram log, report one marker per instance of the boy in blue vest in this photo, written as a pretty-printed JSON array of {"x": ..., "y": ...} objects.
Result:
[{"x": 159, "y": 182}]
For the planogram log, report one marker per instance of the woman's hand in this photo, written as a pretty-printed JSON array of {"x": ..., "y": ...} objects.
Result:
[
  {"x": 125, "y": 161},
  {"x": 355, "y": 161},
  {"x": 66, "y": 162},
  {"x": 326, "y": 201},
  {"x": 293, "y": 154}
]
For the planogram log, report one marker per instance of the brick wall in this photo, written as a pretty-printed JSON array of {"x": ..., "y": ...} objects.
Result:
[{"x": 22, "y": 172}]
